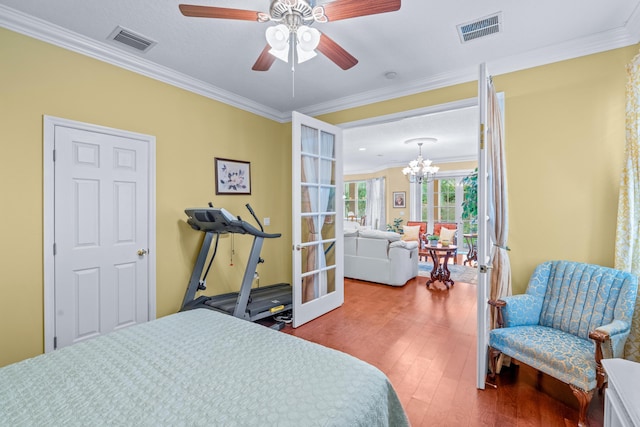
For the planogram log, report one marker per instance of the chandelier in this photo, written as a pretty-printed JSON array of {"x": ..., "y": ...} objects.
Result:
[{"x": 420, "y": 170}]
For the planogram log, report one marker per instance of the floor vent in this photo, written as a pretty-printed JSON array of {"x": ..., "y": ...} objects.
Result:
[
  {"x": 482, "y": 27},
  {"x": 131, "y": 39}
]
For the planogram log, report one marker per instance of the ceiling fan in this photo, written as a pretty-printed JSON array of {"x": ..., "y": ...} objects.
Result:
[{"x": 293, "y": 37}]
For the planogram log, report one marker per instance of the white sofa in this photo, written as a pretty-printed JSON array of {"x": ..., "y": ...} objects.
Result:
[{"x": 379, "y": 256}]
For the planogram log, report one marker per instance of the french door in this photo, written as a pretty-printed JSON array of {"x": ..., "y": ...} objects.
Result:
[
  {"x": 318, "y": 268},
  {"x": 484, "y": 239}
]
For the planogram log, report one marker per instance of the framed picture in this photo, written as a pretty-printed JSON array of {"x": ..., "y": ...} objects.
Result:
[
  {"x": 399, "y": 199},
  {"x": 232, "y": 176}
]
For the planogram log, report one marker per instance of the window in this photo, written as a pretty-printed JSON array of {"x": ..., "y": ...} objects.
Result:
[
  {"x": 355, "y": 200},
  {"x": 439, "y": 200},
  {"x": 442, "y": 202},
  {"x": 444, "y": 197}
]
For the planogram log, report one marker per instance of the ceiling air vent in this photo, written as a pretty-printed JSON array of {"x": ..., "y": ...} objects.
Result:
[
  {"x": 131, "y": 39},
  {"x": 482, "y": 27}
]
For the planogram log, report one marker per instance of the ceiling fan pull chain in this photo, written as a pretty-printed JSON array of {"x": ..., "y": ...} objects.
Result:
[
  {"x": 292, "y": 52},
  {"x": 293, "y": 80}
]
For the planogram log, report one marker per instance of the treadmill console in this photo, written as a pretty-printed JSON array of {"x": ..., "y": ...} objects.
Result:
[
  {"x": 218, "y": 220},
  {"x": 221, "y": 221}
]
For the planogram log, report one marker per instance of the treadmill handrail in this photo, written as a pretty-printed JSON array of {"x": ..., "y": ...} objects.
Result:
[
  {"x": 254, "y": 231},
  {"x": 221, "y": 221}
]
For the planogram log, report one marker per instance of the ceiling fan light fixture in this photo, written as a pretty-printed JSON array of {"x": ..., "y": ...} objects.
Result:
[
  {"x": 293, "y": 14},
  {"x": 278, "y": 39},
  {"x": 308, "y": 38},
  {"x": 307, "y": 41}
]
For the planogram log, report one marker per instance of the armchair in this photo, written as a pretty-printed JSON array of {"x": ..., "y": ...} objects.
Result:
[
  {"x": 422, "y": 233},
  {"x": 571, "y": 317}
]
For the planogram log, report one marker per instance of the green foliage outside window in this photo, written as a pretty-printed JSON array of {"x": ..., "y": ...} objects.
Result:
[
  {"x": 470, "y": 201},
  {"x": 447, "y": 200}
]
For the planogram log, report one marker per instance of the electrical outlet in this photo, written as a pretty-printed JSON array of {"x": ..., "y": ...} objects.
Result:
[{"x": 266, "y": 221}]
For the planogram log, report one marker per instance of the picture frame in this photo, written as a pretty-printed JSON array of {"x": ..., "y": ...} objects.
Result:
[
  {"x": 232, "y": 176},
  {"x": 399, "y": 199}
]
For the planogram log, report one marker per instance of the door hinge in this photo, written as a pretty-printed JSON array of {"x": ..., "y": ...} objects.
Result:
[
  {"x": 55, "y": 343},
  {"x": 54, "y": 155},
  {"x": 55, "y": 249}
]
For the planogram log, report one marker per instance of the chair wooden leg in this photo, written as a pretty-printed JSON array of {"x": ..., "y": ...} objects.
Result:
[
  {"x": 493, "y": 367},
  {"x": 584, "y": 397},
  {"x": 601, "y": 376},
  {"x": 539, "y": 380},
  {"x": 493, "y": 361}
]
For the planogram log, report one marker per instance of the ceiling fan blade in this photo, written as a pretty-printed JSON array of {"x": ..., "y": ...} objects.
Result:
[
  {"x": 344, "y": 9},
  {"x": 218, "y": 12},
  {"x": 336, "y": 53},
  {"x": 264, "y": 61}
]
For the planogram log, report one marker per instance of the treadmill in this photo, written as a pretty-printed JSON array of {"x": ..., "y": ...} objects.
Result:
[{"x": 248, "y": 304}]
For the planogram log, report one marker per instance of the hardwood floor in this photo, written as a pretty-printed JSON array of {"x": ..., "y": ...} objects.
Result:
[{"x": 424, "y": 341}]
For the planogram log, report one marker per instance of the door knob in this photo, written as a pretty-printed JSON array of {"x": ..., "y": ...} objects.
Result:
[{"x": 142, "y": 252}]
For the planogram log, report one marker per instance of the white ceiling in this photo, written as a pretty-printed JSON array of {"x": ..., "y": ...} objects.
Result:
[
  {"x": 376, "y": 146},
  {"x": 419, "y": 43}
]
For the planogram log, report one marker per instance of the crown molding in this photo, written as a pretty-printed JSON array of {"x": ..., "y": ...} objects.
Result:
[
  {"x": 399, "y": 165},
  {"x": 56, "y": 35},
  {"x": 613, "y": 39},
  {"x": 53, "y": 34},
  {"x": 633, "y": 25},
  {"x": 422, "y": 111}
]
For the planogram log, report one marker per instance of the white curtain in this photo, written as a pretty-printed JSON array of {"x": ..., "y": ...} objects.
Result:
[
  {"x": 498, "y": 201},
  {"x": 375, "y": 211},
  {"x": 317, "y": 169}
]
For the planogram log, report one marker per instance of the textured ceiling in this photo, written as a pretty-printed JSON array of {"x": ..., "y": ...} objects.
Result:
[{"x": 419, "y": 43}]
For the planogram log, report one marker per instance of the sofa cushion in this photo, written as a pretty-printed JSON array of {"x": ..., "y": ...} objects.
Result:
[
  {"x": 377, "y": 234},
  {"x": 411, "y": 232},
  {"x": 404, "y": 244},
  {"x": 572, "y": 362},
  {"x": 350, "y": 225},
  {"x": 351, "y": 245},
  {"x": 353, "y": 232},
  {"x": 373, "y": 248}
]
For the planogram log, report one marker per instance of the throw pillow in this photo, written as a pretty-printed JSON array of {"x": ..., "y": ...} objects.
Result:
[
  {"x": 446, "y": 234},
  {"x": 411, "y": 233}
]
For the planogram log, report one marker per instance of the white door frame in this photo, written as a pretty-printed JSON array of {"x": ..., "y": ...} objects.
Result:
[
  {"x": 481, "y": 292},
  {"x": 49, "y": 125}
]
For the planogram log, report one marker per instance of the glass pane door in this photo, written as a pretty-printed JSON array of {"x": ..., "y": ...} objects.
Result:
[{"x": 317, "y": 219}]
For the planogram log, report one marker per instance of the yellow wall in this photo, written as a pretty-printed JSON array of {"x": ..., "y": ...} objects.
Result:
[
  {"x": 564, "y": 126},
  {"x": 396, "y": 181},
  {"x": 39, "y": 79},
  {"x": 565, "y": 144}
]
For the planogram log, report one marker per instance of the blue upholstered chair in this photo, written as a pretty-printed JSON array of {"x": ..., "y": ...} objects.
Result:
[{"x": 572, "y": 315}]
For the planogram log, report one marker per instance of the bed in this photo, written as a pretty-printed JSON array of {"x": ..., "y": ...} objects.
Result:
[{"x": 198, "y": 367}]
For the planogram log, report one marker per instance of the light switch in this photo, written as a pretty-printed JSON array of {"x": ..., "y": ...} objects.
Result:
[{"x": 266, "y": 221}]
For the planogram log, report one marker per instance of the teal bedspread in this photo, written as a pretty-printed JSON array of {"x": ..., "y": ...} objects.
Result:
[{"x": 197, "y": 368}]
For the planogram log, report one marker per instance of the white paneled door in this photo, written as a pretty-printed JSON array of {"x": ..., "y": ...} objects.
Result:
[{"x": 101, "y": 234}]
